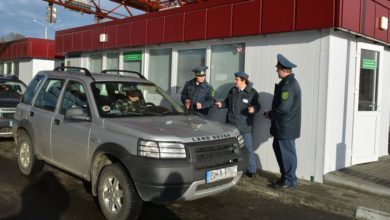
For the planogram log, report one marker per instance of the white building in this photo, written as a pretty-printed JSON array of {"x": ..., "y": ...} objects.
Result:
[
  {"x": 341, "y": 51},
  {"x": 25, "y": 57}
]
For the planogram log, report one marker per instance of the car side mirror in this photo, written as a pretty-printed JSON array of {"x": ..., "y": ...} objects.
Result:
[{"x": 77, "y": 114}]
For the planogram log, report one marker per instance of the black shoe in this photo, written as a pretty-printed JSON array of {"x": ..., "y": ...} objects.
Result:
[
  {"x": 282, "y": 185},
  {"x": 249, "y": 174},
  {"x": 279, "y": 181}
]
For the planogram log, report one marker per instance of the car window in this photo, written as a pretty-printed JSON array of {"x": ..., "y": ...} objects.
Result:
[
  {"x": 128, "y": 99},
  {"x": 31, "y": 89},
  {"x": 74, "y": 97},
  {"x": 48, "y": 95}
]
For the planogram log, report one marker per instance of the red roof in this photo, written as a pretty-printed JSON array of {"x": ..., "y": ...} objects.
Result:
[
  {"x": 27, "y": 48},
  {"x": 229, "y": 18}
]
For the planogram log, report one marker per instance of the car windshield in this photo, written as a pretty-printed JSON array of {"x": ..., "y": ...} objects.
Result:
[{"x": 129, "y": 99}]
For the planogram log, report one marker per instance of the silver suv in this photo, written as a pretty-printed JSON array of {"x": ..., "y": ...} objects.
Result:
[{"x": 125, "y": 136}]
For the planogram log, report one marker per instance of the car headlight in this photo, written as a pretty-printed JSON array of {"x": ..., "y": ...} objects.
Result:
[
  {"x": 240, "y": 140},
  {"x": 155, "y": 149}
]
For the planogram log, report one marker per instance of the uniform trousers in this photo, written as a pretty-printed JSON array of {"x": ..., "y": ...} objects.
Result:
[
  {"x": 286, "y": 156},
  {"x": 248, "y": 140}
]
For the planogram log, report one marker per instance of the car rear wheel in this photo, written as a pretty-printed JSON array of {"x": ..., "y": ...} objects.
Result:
[
  {"x": 117, "y": 196},
  {"x": 27, "y": 161}
]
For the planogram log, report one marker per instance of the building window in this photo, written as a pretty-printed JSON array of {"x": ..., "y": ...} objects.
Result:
[
  {"x": 95, "y": 63},
  {"x": 132, "y": 61},
  {"x": 225, "y": 60},
  {"x": 16, "y": 68},
  {"x": 9, "y": 69},
  {"x": 187, "y": 61},
  {"x": 112, "y": 61},
  {"x": 160, "y": 68},
  {"x": 1, "y": 68},
  {"x": 368, "y": 82}
]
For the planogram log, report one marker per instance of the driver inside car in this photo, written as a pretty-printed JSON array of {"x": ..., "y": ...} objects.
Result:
[{"x": 133, "y": 103}]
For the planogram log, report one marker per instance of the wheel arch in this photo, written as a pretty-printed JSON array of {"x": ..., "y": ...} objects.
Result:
[
  {"x": 104, "y": 155},
  {"x": 27, "y": 127}
]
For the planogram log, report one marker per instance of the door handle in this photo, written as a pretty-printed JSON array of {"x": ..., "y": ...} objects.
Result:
[
  {"x": 31, "y": 113},
  {"x": 56, "y": 121}
]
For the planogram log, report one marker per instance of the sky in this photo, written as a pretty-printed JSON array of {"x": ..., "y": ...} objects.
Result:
[{"x": 17, "y": 16}]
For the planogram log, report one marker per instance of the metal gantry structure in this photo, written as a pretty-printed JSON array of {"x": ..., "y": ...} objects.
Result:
[{"x": 109, "y": 9}]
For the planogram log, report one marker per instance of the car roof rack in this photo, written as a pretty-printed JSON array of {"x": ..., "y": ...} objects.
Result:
[
  {"x": 120, "y": 72},
  {"x": 63, "y": 68}
]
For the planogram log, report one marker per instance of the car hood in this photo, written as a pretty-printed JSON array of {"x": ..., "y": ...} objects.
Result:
[{"x": 180, "y": 128}]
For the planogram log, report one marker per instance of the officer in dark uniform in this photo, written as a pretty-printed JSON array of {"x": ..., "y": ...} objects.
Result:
[
  {"x": 285, "y": 119},
  {"x": 197, "y": 94},
  {"x": 242, "y": 103}
]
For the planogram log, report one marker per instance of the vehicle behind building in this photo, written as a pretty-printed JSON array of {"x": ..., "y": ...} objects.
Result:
[
  {"x": 126, "y": 137},
  {"x": 11, "y": 90}
]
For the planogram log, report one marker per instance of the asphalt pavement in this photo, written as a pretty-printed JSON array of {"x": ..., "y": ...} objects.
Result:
[{"x": 357, "y": 192}]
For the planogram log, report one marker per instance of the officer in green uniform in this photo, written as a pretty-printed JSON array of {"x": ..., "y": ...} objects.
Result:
[
  {"x": 285, "y": 119},
  {"x": 197, "y": 94},
  {"x": 242, "y": 103}
]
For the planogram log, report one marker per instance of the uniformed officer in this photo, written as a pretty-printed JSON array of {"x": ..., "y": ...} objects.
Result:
[
  {"x": 197, "y": 94},
  {"x": 285, "y": 119},
  {"x": 242, "y": 103}
]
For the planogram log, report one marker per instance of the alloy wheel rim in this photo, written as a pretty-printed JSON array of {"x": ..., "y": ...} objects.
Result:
[
  {"x": 24, "y": 155},
  {"x": 112, "y": 194}
]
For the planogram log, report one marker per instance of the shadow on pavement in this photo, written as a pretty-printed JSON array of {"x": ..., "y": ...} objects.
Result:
[
  {"x": 171, "y": 192},
  {"x": 44, "y": 198}
]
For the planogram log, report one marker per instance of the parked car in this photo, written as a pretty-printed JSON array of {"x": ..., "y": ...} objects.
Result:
[
  {"x": 85, "y": 124},
  {"x": 11, "y": 89}
]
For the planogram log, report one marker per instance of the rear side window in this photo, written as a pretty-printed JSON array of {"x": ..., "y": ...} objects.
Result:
[
  {"x": 74, "y": 97},
  {"x": 31, "y": 89},
  {"x": 48, "y": 95}
]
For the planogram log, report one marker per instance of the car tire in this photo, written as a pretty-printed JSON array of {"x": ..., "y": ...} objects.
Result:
[
  {"x": 117, "y": 196},
  {"x": 28, "y": 163}
]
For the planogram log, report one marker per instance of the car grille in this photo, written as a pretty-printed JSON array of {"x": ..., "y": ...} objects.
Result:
[
  {"x": 5, "y": 130},
  {"x": 7, "y": 113},
  {"x": 209, "y": 154}
]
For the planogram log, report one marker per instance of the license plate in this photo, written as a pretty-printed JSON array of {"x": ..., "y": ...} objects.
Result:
[
  {"x": 10, "y": 123},
  {"x": 223, "y": 173}
]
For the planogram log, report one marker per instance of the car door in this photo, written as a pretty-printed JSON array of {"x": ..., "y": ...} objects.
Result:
[
  {"x": 70, "y": 138},
  {"x": 41, "y": 116}
]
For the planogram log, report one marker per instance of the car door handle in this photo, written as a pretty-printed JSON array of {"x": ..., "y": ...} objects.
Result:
[
  {"x": 31, "y": 113},
  {"x": 56, "y": 121}
]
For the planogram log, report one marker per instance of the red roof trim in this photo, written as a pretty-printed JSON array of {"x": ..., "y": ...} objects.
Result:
[
  {"x": 225, "y": 19},
  {"x": 27, "y": 48}
]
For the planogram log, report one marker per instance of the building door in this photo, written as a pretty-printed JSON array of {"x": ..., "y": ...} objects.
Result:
[{"x": 367, "y": 104}]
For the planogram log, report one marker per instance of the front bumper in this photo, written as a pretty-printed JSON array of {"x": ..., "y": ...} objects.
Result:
[
  {"x": 6, "y": 127},
  {"x": 164, "y": 181},
  {"x": 6, "y": 120}
]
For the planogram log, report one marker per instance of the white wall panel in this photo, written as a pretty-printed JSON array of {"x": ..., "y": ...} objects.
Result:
[
  {"x": 385, "y": 106},
  {"x": 306, "y": 49},
  {"x": 25, "y": 71},
  {"x": 39, "y": 65},
  {"x": 339, "y": 101}
]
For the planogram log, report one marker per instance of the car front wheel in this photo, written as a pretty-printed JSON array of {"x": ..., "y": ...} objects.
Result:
[
  {"x": 27, "y": 161},
  {"x": 117, "y": 195}
]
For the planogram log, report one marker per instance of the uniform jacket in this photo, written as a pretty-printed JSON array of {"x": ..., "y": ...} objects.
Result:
[
  {"x": 286, "y": 109},
  {"x": 237, "y": 103},
  {"x": 202, "y": 93}
]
